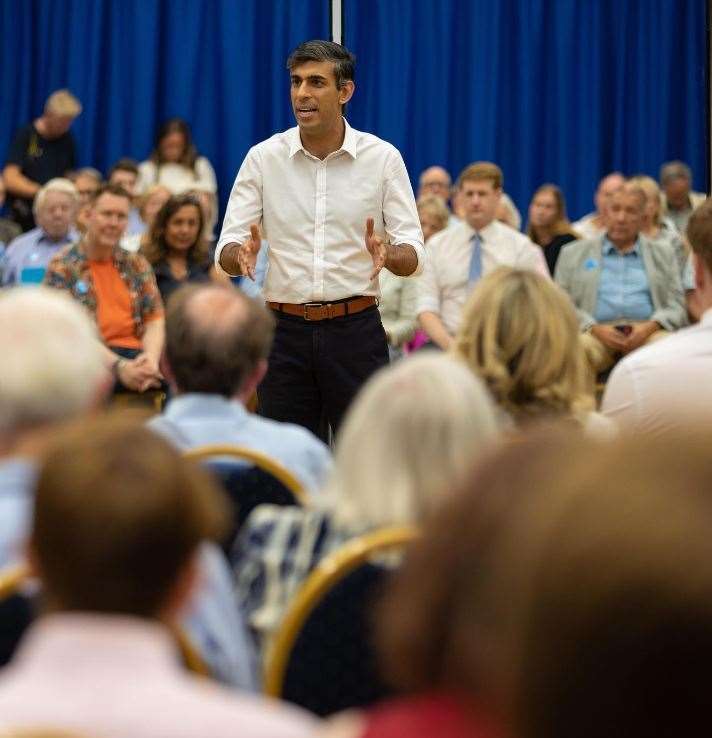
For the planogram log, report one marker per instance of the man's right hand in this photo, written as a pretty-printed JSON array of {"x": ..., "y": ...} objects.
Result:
[
  {"x": 138, "y": 374},
  {"x": 610, "y": 337},
  {"x": 237, "y": 260}
]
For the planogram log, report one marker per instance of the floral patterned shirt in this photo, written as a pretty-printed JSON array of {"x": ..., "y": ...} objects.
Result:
[{"x": 69, "y": 270}]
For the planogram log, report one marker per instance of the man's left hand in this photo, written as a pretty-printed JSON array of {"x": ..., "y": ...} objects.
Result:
[
  {"x": 376, "y": 248},
  {"x": 639, "y": 335}
]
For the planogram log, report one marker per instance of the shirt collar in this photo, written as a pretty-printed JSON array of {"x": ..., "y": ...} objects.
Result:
[
  {"x": 192, "y": 404},
  {"x": 69, "y": 237},
  {"x": 609, "y": 247},
  {"x": 485, "y": 233},
  {"x": 349, "y": 145}
]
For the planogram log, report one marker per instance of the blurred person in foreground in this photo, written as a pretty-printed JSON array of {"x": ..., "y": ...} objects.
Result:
[
  {"x": 119, "y": 522},
  {"x": 52, "y": 372},
  {"x": 564, "y": 590},
  {"x": 412, "y": 433},
  {"x": 666, "y": 385},
  {"x": 520, "y": 336}
]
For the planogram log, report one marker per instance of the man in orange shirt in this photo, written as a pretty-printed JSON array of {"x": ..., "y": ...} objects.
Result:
[{"x": 118, "y": 288}]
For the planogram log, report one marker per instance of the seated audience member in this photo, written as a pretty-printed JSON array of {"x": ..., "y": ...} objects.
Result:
[
  {"x": 217, "y": 343},
  {"x": 8, "y": 228},
  {"x": 176, "y": 247},
  {"x": 655, "y": 227},
  {"x": 433, "y": 215},
  {"x": 594, "y": 224},
  {"x": 435, "y": 182},
  {"x": 412, "y": 433},
  {"x": 548, "y": 226},
  {"x": 459, "y": 256},
  {"x": 208, "y": 200},
  {"x": 87, "y": 181},
  {"x": 152, "y": 200},
  {"x": 175, "y": 163},
  {"x": 679, "y": 201},
  {"x": 118, "y": 288},
  {"x": 626, "y": 290},
  {"x": 116, "y": 541},
  {"x": 598, "y": 614},
  {"x": 666, "y": 385},
  {"x": 54, "y": 373},
  {"x": 508, "y": 213},
  {"x": 125, "y": 174},
  {"x": 26, "y": 258},
  {"x": 519, "y": 335},
  {"x": 399, "y": 297},
  {"x": 41, "y": 150}
]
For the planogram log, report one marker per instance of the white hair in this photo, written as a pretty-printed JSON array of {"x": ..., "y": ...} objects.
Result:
[
  {"x": 58, "y": 184},
  {"x": 52, "y": 366},
  {"x": 412, "y": 434}
]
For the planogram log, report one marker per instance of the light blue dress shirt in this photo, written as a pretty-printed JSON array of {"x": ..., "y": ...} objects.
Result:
[
  {"x": 213, "y": 623},
  {"x": 623, "y": 286},
  {"x": 192, "y": 420},
  {"x": 26, "y": 257}
]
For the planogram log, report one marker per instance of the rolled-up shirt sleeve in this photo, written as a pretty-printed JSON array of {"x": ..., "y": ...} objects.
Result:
[
  {"x": 244, "y": 208},
  {"x": 400, "y": 214}
]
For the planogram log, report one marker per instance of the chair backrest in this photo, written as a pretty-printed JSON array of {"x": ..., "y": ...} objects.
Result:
[
  {"x": 250, "y": 478},
  {"x": 322, "y": 656}
]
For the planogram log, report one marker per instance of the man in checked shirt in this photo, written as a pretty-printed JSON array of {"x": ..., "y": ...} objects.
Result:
[{"x": 337, "y": 206}]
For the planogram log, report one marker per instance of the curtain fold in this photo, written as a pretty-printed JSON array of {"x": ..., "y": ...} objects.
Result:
[{"x": 557, "y": 91}]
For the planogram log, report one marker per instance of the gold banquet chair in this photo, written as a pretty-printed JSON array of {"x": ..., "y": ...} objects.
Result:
[{"x": 322, "y": 657}]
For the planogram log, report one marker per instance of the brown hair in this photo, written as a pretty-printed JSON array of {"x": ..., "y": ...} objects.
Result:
[
  {"x": 155, "y": 248},
  {"x": 213, "y": 347},
  {"x": 108, "y": 188},
  {"x": 562, "y": 225},
  {"x": 190, "y": 153},
  {"x": 699, "y": 232},
  {"x": 482, "y": 170},
  {"x": 118, "y": 513},
  {"x": 520, "y": 335}
]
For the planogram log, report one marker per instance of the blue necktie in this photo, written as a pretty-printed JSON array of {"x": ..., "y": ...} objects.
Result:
[{"x": 475, "y": 260}]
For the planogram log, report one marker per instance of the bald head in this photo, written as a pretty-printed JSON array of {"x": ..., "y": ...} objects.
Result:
[
  {"x": 435, "y": 181},
  {"x": 216, "y": 337},
  {"x": 607, "y": 187}
]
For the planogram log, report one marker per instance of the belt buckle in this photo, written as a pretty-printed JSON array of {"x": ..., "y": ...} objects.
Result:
[{"x": 307, "y": 305}]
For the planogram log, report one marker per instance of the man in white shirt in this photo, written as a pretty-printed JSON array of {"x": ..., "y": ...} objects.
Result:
[
  {"x": 667, "y": 384},
  {"x": 461, "y": 254},
  {"x": 336, "y": 206}
]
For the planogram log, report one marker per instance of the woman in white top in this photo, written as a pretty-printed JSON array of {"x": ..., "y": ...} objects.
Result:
[{"x": 174, "y": 162}]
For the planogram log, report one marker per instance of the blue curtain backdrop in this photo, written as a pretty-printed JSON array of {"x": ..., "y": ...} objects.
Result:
[
  {"x": 134, "y": 63},
  {"x": 552, "y": 90}
]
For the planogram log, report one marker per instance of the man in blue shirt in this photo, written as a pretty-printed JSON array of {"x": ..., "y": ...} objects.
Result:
[
  {"x": 217, "y": 343},
  {"x": 53, "y": 371},
  {"x": 626, "y": 290},
  {"x": 27, "y": 256}
]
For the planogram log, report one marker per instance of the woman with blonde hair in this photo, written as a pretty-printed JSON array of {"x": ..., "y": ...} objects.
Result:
[
  {"x": 520, "y": 336},
  {"x": 412, "y": 434},
  {"x": 549, "y": 227}
]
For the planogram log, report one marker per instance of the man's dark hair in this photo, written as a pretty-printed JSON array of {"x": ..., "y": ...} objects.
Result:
[
  {"x": 319, "y": 51},
  {"x": 214, "y": 354},
  {"x": 111, "y": 189},
  {"x": 124, "y": 165}
]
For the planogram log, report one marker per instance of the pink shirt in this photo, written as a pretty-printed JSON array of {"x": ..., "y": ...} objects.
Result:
[{"x": 119, "y": 677}]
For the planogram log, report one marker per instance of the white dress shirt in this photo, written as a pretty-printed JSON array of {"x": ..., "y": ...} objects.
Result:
[
  {"x": 664, "y": 385},
  {"x": 177, "y": 177},
  {"x": 119, "y": 677},
  {"x": 314, "y": 212},
  {"x": 444, "y": 287}
]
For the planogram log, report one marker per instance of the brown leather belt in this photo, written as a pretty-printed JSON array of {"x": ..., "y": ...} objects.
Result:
[{"x": 314, "y": 311}]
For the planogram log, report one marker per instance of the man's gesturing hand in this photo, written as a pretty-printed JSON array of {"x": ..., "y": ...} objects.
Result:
[
  {"x": 376, "y": 248},
  {"x": 247, "y": 253}
]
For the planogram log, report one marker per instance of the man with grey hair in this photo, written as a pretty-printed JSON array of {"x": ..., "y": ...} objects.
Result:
[
  {"x": 26, "y": 258},
  {"x": 53, "y": 371},
  {"x": 626, "y": 291},
  {"x": 40, "y": 151},
  {"x": 679, "y": 200}
]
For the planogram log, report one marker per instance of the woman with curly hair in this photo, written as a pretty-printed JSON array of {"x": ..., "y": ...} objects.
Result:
[
  {"x": 520, "y": 335},
  {"x": 176, "y": 246}
]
